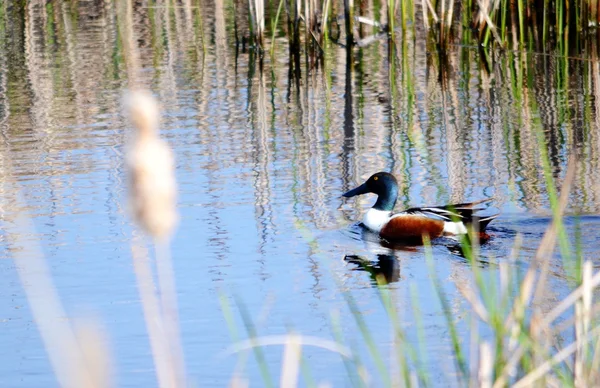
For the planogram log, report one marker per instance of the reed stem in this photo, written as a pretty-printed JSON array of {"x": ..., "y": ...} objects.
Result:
[{"x": 349, "y": 19}]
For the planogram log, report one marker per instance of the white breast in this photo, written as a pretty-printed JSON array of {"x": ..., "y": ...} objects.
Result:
[{"x": 375, "y": 219}]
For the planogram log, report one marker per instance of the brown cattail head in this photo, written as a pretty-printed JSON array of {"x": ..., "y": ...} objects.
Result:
[{"x": 150, "y": 164}]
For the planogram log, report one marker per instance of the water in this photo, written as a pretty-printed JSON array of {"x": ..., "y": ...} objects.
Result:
[{"x": 262, "y": 161}]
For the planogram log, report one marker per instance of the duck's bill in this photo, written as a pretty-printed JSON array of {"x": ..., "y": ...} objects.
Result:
[{"x": 362, "y": 189}]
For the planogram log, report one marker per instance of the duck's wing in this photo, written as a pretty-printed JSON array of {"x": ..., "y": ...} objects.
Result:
[{"x": 461, "y": 212}]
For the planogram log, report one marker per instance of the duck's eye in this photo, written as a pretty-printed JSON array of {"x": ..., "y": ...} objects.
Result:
[{"x": 375, "y": 178}]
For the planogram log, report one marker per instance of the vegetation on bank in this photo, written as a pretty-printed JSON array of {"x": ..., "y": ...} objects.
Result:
[{"x": 540, "y": 25}]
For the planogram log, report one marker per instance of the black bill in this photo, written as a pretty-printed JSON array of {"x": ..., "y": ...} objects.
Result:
[{"x": 362, "y": 189}]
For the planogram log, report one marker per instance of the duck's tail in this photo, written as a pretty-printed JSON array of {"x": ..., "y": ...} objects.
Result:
[{"x": 480, "y": 223}]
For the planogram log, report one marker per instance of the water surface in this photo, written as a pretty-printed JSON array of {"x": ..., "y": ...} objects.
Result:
[{"x": 262, "y": 161}]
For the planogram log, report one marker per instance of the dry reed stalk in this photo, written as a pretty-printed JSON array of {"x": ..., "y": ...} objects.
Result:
[
  {"x": 252, "y": 20},
  {"x": 484, "y": 15},
  {"x": 187, "y": 9},
  {"x": 257, "y": 13},
  {"x": 163, "y": 360},
  {"x": 77, "y": 360},
  {"x": 549, "y": 240},
  {"x": 449, "y": 18},
  {"x": 529, "y": 286},
  {"x": 96, "y": 354},
  {"x": 510, "y": 368},
  {"x": 349, "y": 19},
  {"x": 559, "y": 309},
  {"x": 547, "y": 366},
  {"x": 567, "y": 324},
  {"x": 59, "y": 339},
  {"x": 486, "y": 365},
  {"x": 484, "y": 6},
  {"x": 425, "y": 18},
  {"x": 297, "y": 14},
  {"x": 473, "y": 355},
  {"x": 544, "y": 250},
  {"x": 541, "y": 327},
  {"x": 303, "y": 340},
  {"x": 577, "y": 368},
  {"x": 291, "y": 362},
  {"x": 261, "y": 21},
  {"x": 585, "y": 307},
  {"x": 475, "y": 301},
  {"x": 595, "y": 365},
  {"x": 307, "y": 22},
  {"x": 442, "y": 24},
  {"x": 432, "y": 10},
  {"x": 504, "y": 278},
  {"x": 238, "y": 382}
]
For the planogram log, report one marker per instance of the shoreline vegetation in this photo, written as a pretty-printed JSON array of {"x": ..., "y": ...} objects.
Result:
[
  {"x": 513, "y": 342},
  {"x": 542, "y": 26}
]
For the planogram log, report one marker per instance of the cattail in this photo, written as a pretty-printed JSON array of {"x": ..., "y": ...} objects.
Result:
[
  {"x": 152, "y": 197},
  {"x": 152, "y": 186}
]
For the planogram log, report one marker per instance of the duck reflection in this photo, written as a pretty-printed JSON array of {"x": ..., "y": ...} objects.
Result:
[
  {"x": 385, "y": 270},
  {"x": 380, "y": 261}
]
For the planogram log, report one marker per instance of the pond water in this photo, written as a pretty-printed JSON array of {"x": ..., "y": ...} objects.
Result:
[{"x": 262, "y": 160}]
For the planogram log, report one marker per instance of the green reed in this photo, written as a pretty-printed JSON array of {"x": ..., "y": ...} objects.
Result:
[
  {"x": 253, "y": 334},
  {"x": 274, "y": 24},
  {"x": 355, "y": 363},
  {"x": 199, "y": 26}
]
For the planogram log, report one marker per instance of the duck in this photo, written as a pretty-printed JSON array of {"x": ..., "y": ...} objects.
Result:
[{"x": 418, "y": 222}]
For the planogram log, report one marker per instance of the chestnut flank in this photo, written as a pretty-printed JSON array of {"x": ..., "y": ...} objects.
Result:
[{"x": 411, "y": 226}]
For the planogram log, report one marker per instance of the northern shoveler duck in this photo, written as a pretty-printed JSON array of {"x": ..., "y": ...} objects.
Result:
[{"x": 414, "y": 223}]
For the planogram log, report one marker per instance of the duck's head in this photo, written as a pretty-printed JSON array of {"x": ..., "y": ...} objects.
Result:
[{"x": 384, "y": 185}]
